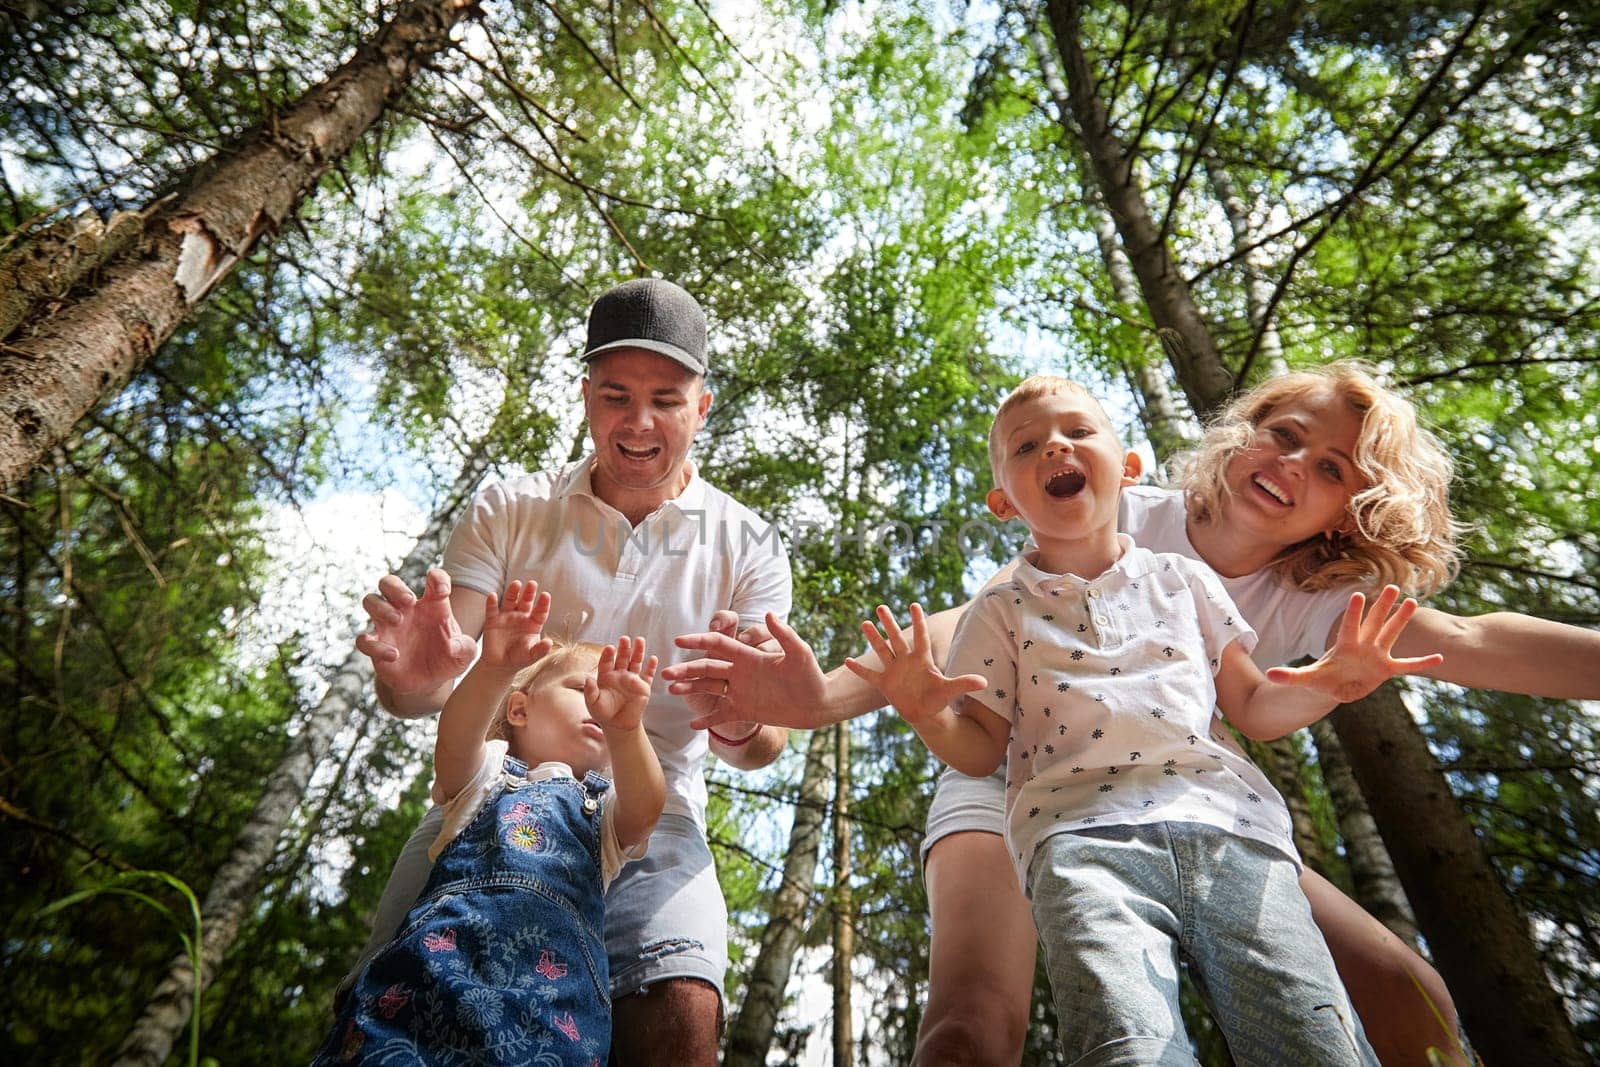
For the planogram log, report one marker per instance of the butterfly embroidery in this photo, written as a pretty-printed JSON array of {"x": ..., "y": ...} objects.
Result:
[
  {"x": 517, "y": 812},
  {"x": 394, "y": 998},
  {"x": 548, "y": 966},
  {"x": 567, "y": 1025},
  {"x": 444, "y": 941}
]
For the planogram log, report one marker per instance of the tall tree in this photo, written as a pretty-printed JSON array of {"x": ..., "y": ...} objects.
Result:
[
  {"x": 750, "y": 1034},
  {"x": 233, "y": 886},
  {"x": 842, "y": 969},
  {"x": 1515, "y": 1006},
  {"x": 59, "y": 366}
]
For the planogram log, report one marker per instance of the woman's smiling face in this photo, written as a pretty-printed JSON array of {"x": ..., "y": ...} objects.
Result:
[{"x": 1295, "y": 479}]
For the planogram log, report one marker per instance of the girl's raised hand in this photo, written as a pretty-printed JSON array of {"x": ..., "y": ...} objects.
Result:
[
  {"x": 1360, "y": 659},
  {"x": 909, "y": 678},
  {"x": 513, "y": 628},
  {"x": 618, "y": 690}
]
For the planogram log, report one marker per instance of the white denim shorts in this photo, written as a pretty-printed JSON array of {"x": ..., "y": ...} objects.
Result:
[
  {"x": 665, "y": 916},
  {"x": 962, "y": 803}
]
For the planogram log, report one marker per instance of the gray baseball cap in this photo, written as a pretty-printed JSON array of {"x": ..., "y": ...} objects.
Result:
[{"x": 651, "y": 314}]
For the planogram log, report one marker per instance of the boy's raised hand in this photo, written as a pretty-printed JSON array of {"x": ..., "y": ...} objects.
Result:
[
  {"x": 1360, "y": 659},
  {"x": 618, "y": 690},
  {"x": 513, "y": 628},
  {"x": 910, "y": 680}
]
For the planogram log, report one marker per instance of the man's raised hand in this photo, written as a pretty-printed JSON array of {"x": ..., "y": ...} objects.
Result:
[
  {"x": 778, "y": 683},
  {"x": 414, "y": 644},
  {"x": 707, "y": 701}
]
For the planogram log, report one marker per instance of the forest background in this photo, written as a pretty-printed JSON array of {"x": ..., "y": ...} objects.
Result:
[{"x": 280, "y": 284}]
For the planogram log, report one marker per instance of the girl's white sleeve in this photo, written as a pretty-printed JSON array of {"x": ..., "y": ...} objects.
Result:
[{"x": 612, "y": 854}]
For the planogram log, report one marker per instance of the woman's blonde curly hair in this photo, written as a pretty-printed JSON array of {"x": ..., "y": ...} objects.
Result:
[{"x": 1401, "y": 530}]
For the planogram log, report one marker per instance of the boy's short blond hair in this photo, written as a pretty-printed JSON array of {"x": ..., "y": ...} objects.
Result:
[
  {"x": 562, "y": 655},
  {"x": 1401, "y": 529},
  {"x": 1031, "y": 389}
]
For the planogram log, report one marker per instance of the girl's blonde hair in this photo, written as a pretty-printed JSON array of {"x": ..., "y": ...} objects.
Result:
[
  {"x": 563, "y": 654},
  {"x": 1401, "y": 530}
]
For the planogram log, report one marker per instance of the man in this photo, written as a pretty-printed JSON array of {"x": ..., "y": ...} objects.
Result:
[{"x": 627, "y": 540}]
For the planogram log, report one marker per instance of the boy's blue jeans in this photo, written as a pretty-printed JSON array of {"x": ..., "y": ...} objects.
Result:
[{"x": 1116, "y": 905}]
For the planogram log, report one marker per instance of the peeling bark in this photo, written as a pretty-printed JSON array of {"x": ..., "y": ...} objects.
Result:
[
  {"x": 232, "y": 892},
  {"x": 750, "y": 1035},
  {"x": 48, "y": 264},
  {"x": 1257, "y": 288},
  {"x": 63, "y": 364}
]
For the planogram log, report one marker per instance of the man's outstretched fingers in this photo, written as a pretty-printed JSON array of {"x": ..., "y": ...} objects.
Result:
[
  {"x": 716, "y": 644},
  {"x": 788, "y": 639},
  {"x": 380, "y": 609},
  {"x": 436, "y": 587},
  {"x": 396, "y": 591}
]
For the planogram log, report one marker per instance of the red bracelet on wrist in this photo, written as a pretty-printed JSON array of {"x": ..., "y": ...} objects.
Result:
[{"x": 731, "y": 742}]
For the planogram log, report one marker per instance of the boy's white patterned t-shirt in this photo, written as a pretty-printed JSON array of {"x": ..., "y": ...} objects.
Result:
[{"x": 1108, "y": 686}]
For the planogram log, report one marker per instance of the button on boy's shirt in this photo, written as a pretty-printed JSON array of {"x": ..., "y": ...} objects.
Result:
[{"x": 1108, "y": 686}]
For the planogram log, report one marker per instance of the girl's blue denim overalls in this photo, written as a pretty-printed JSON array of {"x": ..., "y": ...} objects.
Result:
[{"x": 502, "y": 959}]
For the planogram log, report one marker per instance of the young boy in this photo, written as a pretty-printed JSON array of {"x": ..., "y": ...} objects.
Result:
[{"x": 1135, "y": 833}]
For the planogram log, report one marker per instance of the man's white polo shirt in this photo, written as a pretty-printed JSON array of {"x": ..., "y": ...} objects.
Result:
[
  {"x": 694, "y": 555},
  {"x": 1108, "y": 686}
]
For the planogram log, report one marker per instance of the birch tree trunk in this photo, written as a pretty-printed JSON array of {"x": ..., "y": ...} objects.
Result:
[
  {"x": 844, "y": 917},
  {"x": 1257, "y": 289},
  {"x": 1376, "y": 885},
  {"x": 750, "y": 1035},
  {"x": 59, "y": 366},
  {"x": 1169, "y": 431},
  {"x": 1504, "y": 998},
  {"x": 231, "y": 895}
]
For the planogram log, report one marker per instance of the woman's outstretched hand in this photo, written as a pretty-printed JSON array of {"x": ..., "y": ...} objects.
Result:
[{"x": 1361, "y": 658}]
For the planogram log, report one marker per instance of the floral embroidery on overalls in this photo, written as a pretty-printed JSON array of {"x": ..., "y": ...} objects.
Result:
[{"x": 502, "y": 958}]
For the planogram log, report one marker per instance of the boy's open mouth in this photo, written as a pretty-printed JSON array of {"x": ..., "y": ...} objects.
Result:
[{"x": 1064, "y": 484}]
